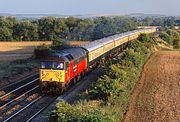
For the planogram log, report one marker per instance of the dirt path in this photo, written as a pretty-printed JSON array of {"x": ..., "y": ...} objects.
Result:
[{"x": 157, "y": 95}]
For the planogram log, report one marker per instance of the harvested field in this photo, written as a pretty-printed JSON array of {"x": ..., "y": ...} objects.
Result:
[
  {"x": 77, "y": 43},
  {"x": 10, "y": 51},
  {"x": 156, "y": 97},
  {"x": 21, "y": 47}
]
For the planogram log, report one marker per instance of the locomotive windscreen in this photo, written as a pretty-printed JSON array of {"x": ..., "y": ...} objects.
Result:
[{"x": 52, "y": 65}]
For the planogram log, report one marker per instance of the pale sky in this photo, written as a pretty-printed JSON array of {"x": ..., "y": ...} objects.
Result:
[{"x": 82, "y": 7}]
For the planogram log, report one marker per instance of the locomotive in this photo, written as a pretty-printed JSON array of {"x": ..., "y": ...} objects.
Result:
[{"x": 67, "y": 66}]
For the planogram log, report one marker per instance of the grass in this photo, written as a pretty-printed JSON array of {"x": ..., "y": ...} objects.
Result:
[
  {"x": 21, "y": 47},
  {"x": 13, "y": 68}
]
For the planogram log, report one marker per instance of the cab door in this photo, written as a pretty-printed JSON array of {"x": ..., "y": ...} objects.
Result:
[
  {"x": 71, "y": 71},
  {"x": 67, "y": 70}
]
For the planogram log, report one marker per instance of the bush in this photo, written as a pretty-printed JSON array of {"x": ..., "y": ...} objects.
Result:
[
  {"x": 65, "y": 112},
  {"x": 144, "y": 38},
  {"x": 41, "y": 51},
  {"x": 176, "y": 44},
  {"x": 131, "y": 56},
  {"x": 105, "y": 87},
  {"x": 174, "y": 34},
  {"x": 164, "y": 36}
]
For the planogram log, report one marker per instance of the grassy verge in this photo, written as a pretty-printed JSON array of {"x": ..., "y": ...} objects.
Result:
[
  {"x": 10, "y": 69},
  {"x": 107, "y": 99}
]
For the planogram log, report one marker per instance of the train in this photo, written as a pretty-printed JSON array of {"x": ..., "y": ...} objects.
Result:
[{"x": 64, "y": 67}]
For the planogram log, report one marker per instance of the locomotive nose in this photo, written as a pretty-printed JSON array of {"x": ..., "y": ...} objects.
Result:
[{"x": 52, "y": 75}]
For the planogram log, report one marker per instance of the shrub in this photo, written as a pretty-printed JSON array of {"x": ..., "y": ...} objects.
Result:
[
  {"x": 166, "y": 37},
  {"x": 176, "y": 44},
  {"x": 105, "y": 87},
  {"x": 174, "y": 34},
  {"x": 131, "y": 56},
  {"x": 95, "y": 116},
  {"x": 144, "y": 38},
  {"x": 65, "y": 112},
  {"x": 147, "y": 38}
]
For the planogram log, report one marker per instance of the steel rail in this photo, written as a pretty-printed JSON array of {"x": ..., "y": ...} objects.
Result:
[
  {"x": 15, "y": 114},
  {"x": 32, "y": 75},
  {"x": 1, "y": 97},
  {"x": 17, "y": 98}
]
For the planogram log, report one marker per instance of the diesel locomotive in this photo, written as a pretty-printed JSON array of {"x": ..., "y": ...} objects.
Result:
[{"x": 67, "y": 66}]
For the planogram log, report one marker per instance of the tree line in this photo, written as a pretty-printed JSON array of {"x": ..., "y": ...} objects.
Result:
[
  {"x": 168, "y": 22},
  {"x": 51, "y": 28}
]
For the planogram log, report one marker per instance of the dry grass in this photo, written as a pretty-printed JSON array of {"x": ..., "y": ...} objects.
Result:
[
  {"x": 10, "y": 51},
  {"x": 78, "y": 43},
  {"x": 20, "y": 47}
]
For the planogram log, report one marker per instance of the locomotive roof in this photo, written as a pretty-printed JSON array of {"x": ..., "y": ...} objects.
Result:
[{"x": 68, "y": 54}]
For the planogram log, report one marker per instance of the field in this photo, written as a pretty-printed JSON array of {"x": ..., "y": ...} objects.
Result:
[
  {"x": 21, "y": 47},
  {"x": 156, "y": 97},
  {"x": 76, "y": 43},
  {"x": 10, "y": 51},
  {"x": 18, "y": 50}
]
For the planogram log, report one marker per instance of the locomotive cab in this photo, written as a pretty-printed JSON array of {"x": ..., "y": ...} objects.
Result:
[
  {"x": 60, "y": 68},
  {"x": 53, "y": 72}
]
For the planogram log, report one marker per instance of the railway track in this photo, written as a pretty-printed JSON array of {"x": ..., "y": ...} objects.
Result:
[
  {"x": 26, "y": 106},
  {"x": 24, "y": 102},
  {"x": 31, "y": 110},
  {"x": 14, "y": 96},
  {"x": 16, "y": 84}
]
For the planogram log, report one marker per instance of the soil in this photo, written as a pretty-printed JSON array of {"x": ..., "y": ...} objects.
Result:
[{"x": 156, "y": 97}]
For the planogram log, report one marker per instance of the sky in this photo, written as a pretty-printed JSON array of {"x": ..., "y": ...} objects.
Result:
[{"x": 83, "y": 7}]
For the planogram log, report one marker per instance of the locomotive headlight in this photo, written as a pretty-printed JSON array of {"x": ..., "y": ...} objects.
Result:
[{"x": 42, "y": 65}]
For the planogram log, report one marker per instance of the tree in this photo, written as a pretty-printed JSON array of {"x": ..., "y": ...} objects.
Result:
[
  {"x": 104, "y": 26},
  {"x": 46, "y": 28},
  {"x": 6, "y": 27},
  {"x": 84, "y": 30},
  {"x": 157, "y": 22},
  {"x": 72, "y": 24},
  {"x": 25, "y": 30},
  {"x": 5, "y": 34},
  {"x": 147, "y": 21},
  {"x": 60, "y": 28},
  {"x": 169, "y": 22}
]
